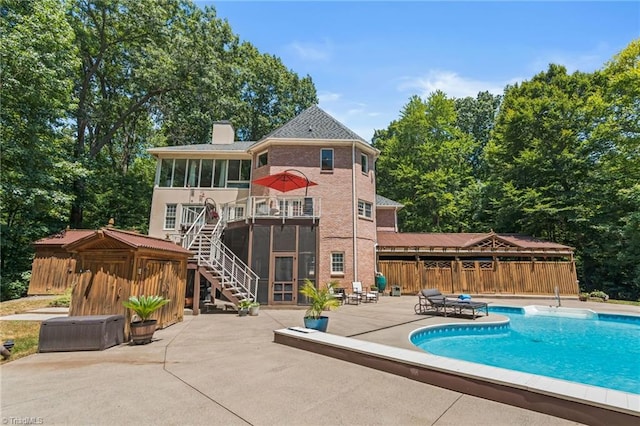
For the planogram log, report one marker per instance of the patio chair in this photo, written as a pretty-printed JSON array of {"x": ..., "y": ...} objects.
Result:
[
  {"x": 364, "y": 296},
  {"x": 338, "y": 293},
  {"x": 356, "y": 293},
  {"x": 371, "y": 295}
]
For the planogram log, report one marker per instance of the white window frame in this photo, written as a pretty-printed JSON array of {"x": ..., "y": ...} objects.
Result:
[
  {"x": 170, "y": 216},
  {"x": 365, "y": 209},
  {"x": 266, "y": 154},
  {"x": 364, "y": 160},
  {"x": 333, "y": 160},
  {"x": 337, "y": 263}
]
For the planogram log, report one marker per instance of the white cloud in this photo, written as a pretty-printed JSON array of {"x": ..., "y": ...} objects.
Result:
[
  {"x": 311, "y": 51},
  {"x": 451, "y": 83},
  {"x": 329, "y": 96}
]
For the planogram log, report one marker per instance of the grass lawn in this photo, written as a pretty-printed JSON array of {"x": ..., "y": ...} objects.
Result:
[
  {"x": 23, "y": 333},
  {"x": 625, "y": 302},
  {"x": 25, "y": 304}
]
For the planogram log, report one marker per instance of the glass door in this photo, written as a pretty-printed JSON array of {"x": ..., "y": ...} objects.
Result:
[{"x": 284, "y": 289}]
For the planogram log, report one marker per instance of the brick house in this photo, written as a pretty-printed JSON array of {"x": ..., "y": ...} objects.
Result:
[{"x": 254, "y": 241}]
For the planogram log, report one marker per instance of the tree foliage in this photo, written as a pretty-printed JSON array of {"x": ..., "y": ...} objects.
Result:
[
  {"x": 38, "y": 59},
  {"x": 556, "y": 157},
  {"x": 89, "y": 85},
  {"x": 426, "y": 163}
]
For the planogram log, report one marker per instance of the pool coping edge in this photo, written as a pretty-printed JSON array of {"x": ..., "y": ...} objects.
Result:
[{"x": 579, "y": 402}]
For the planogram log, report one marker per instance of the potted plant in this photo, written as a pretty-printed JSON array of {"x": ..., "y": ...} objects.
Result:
[
  {"x": 254, "y": 307},
  {"x": 320, "y": 299},
  {"x": 243, "y": 307},
  {"x": 144, "y": 306},
  {"x": 583, "y": 296}
]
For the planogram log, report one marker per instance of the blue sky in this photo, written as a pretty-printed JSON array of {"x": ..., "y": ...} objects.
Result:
[{"x": 367, "y": 58}]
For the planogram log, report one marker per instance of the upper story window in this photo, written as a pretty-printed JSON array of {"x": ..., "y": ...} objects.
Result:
[
  {"x": 205, "y": 173},
  {"x": 239, "y": 174},
  {"x": 263, "y": 159},
  {"x": 364, "y": 163},
  {"x": 170, "y": 216},
  {"x": 326, "y": 159},
  {"x": 365, "y": 209}
]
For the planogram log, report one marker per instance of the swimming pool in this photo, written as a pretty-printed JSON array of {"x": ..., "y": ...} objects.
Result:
[{"x": 571, "y": 344}]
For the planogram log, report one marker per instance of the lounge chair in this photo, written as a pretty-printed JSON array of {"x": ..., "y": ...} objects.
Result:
[
  {"x": 468, "y": 305},
  {"x": 431, "y": 300}
]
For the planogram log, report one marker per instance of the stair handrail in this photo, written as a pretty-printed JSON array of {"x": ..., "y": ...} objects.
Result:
[
  {"x": 195, "y": 228},
  {"x": 220, "y": 257}
]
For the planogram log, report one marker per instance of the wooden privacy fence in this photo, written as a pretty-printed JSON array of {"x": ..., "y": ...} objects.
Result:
[
  {"x": 478, "y": 277},
  {"x": 52, "y": 272}
]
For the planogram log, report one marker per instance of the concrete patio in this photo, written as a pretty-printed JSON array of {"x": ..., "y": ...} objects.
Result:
[{"x": 219, "y": 368}]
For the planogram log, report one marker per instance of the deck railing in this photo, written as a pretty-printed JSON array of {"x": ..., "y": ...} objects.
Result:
[{"x": 273, "y": 207}]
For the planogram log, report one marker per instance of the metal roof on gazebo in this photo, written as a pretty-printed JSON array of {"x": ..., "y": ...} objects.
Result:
[{"x": 466, "y": 242}]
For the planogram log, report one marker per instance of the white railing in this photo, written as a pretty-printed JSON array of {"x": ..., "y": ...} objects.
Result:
[
  {"x": 211, "y": 251},
  {"x": 274, "y": 207}
]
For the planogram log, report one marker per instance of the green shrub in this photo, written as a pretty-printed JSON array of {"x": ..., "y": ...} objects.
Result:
[
  {"x": 15, "y": 289},
  {"x": 64, "y": 300},
  {"x": 599, "y": 293}
]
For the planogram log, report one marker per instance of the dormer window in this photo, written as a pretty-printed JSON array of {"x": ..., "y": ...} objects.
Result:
[{"x": 326, "y": 160}]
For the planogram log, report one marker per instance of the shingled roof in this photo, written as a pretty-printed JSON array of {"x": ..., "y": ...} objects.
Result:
[
  {"x": 386, "y": 202},
  {"x": 314, "y": 123},
  {"x": 202, "y": 148}
]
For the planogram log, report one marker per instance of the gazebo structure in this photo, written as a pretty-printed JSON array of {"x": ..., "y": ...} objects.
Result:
[{"x": 476, "y": 263}]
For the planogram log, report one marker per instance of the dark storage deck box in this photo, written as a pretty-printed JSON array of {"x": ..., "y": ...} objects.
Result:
[{"x": 82, "y": 333}]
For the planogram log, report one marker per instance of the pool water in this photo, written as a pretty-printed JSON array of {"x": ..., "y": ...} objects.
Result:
[{"x": 603, "y": 350}]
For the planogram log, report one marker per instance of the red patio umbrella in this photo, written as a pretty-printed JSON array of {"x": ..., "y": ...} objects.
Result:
[{"x": 285, "y": 181}]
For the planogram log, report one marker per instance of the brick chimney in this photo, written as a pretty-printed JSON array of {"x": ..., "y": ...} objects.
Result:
[{"x": 223, "y": 133}]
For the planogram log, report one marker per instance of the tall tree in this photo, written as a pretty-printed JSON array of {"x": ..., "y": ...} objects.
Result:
[
  {"x": 536, "y": 158},
  {"x": 126, "y": 62},
  {"x": 38, "y": 60},
  {"x": 425, "y": 163},
  {"x": 476, "y": 117},
  {"x": 610, "y": 251},
  {"x": 270, "y": 93}
]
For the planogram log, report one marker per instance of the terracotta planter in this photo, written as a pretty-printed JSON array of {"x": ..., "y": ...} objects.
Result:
[{"x": 142, "y": 331}]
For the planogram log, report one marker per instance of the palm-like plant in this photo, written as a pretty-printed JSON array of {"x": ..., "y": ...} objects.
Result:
[
  {"x": 145, "y": 306},
  {"x": 321, "y": 299}
]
